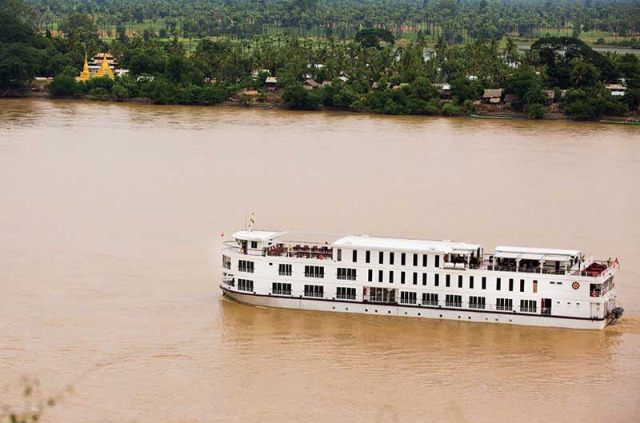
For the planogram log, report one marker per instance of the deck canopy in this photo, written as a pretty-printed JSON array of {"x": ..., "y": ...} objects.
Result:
[
  {"x": 402, "y": 244},
  {"x": 538, "y": 254},
  {"x": 256, "y": 235}
]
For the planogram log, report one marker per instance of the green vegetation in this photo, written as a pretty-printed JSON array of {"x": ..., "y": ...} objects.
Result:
[
  {"x": 457, "y": 20},
  {"x": 372, "y": 73}
]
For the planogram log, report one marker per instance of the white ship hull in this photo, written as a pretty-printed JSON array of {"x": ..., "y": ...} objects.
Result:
[{"x": 420, "y": 312}]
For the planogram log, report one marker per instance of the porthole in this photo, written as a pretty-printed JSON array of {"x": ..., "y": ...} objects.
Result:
[
  {"x": 496, "y": 320},
  {"x": 469, "y": 317},
  {"x": 405, "y": 313},
  {"x": 486, "y": 318},
  {"x": 366, "y": 309},
  {"x": 419, "y": 314},
  {"x": 389, "y": 312},
  {"x": 334, "y": 308},
  {"x": 347, "y": 308},
  {"x": 458, "y": 317},
  {"x": 510, "y": 320},
  {"x": 376, "y": 311},
  {"x": 441, "y": 315}
]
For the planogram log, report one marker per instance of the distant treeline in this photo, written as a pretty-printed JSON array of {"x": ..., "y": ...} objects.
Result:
[
  {"x": 368, "y": 74},
  {"x": 457, "y": 20}
]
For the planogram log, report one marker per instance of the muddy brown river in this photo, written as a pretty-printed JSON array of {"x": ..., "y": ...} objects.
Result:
[{"x": 110, "y": 221}]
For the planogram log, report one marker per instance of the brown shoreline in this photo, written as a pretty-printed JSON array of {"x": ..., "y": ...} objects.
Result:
[{"x": 480, "y": 110}]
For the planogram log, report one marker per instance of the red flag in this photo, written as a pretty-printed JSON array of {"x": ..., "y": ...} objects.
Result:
[
  {"x": 222, "y": 234},
  {"x": 616, "y": 262}
]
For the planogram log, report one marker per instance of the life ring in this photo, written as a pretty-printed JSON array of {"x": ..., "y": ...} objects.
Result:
[
  {"x": 575, "y": 285},
  {"x": 594, "y": 294}
]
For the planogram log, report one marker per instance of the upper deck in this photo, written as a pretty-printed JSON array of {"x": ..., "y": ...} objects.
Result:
[{"x": 455, "y": 255}]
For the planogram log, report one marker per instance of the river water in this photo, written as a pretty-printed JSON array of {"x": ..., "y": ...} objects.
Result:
[{"x": 110, "y": 226}]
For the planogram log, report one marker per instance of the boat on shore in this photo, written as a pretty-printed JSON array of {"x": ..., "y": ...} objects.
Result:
[
  {"x": 620, "y": 122},
  {"x": 491, "y": 117},
  {"x": 419, "y": 278}
]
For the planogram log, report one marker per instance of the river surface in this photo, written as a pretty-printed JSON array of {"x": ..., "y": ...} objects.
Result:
[{"x": 110, "y": 222}]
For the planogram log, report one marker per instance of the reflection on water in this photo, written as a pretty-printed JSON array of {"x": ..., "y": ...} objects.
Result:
[{"x": 109, "y": 262}]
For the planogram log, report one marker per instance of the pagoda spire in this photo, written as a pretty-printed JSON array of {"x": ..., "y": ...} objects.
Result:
[
  {"x": 104, "y": 70},
  {"x": 85, "y": 74}
]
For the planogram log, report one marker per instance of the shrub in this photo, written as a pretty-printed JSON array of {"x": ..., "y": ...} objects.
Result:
[
  {"x": 450, "y": 109},
  {"x": 65, "y": 85},
  {"x": 535, "y": 111}
]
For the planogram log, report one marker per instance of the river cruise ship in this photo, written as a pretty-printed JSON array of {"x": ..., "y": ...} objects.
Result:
[{"x": 418, "y": 278}]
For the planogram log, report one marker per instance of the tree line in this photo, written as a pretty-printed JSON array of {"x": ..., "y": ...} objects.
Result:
[{"x": 457, "y": 20}]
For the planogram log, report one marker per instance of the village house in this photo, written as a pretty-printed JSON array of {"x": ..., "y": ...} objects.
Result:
[
  {"x": 271, "y": 82},
  {"x": 444, "y": 89},
  {"x": 509, "y": 99},
  {"x": 310, "y": 84},
  {"x": 492, "y": 95},
  {"x": 617, "y": 90}
]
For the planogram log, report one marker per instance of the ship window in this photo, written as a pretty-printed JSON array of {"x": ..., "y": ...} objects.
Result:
[
  {"x": 415, "y": 278},
  {"x": 254, "y": 244},
  {"x": 430, "y": 299},
  {"x": 437, "y": 261},
  {"x": 436, "y": 281},
  {"x": 453, "y": 300},
  {"x": 339, "y": 258},
  {"x": 408, "y": 297},
  {"x": 470, "y": 282},
  {"x": 459, "y": 281},
  {"x": 382, "y": 295},
  {"x": 245, "y": 285},
  {"x": 379, "y": 275},
  {"x": 415, "y": 260},
  {"x": 391, "y": 258},
  {"x": 447, "y": 279},
  {"x": 528, "y": 306},
  {"x": 381, "y": 257},
  {"x": 314, "y": 271},
  {"x": 484, "y": 282},
  {"x": 504, "y": 304},
  {"x": 245, "y": 266},
  {"x": 559, "y": 283},
  {"x": 355, "y": 256},
  {"x": 425, "y": 259},
  {"x": 278, "y": 288},
  {"x": 477, "y": 302},
  {"x": 367, "y": 256},
  {"x": 402, "y": 277},
  {"x": 521, "y": 285},
  {"x": 498, "y": 283},
  {"x": 424, "y": 279},
  {"x": 284, "y": 269},
  {"x": 403, "y": 259},
  {"x": 510, "y": 284},
  {"x": 390, "y": 276},
  {"x": 370, "y": 276},
  {"x": 226, "y": 262},
  {"x": 316, "y": 291},
  {"x": 344, "y": 293},
  {"x": 346, "y": 274},
  {"x": 535, "y": 287}
]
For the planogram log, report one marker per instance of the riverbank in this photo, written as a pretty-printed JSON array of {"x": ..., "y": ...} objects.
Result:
[{"x": 479, "y": 110}]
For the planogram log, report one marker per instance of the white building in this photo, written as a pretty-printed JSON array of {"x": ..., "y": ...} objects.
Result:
[{"x": 417, "y": 278}]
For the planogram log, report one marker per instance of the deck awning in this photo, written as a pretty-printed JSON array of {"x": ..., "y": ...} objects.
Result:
[
  {"x": 506, "y": 255},
  {"x": 531, "y": 256},
  {"x": 552, "y": 257}
]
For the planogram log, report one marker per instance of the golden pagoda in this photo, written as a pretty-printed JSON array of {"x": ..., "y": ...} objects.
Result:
[
  {"x": 104, "y": 70},
  {"x": 85, "y": 74}
]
